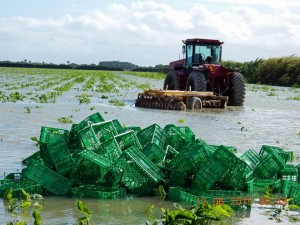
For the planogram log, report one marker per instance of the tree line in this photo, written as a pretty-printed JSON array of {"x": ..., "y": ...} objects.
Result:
[{"x": 282, "y": 71}]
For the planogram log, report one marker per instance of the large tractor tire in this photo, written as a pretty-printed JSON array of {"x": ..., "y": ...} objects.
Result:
[
  {"x": 196, "y": 82},
  {"x": 171, "y": 81},
  {"x": 237, "y": 90}
]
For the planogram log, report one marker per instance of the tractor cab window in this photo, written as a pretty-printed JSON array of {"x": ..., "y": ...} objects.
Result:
[
  {"x": 189, "y": 55},
  {"x": 207, "y": 54}
]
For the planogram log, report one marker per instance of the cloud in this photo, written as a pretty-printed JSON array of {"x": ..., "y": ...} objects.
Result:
[{"x": 150, "y": 33}]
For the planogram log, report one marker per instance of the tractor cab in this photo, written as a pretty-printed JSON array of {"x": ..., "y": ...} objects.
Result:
[{"x": 201, "y": 51}]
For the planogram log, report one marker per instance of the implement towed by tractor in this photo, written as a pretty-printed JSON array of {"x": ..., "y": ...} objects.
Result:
[{"x": 198, "y": 80}]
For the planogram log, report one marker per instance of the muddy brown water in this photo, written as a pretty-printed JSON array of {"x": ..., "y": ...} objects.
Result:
[{"x": 263, "y": 120}]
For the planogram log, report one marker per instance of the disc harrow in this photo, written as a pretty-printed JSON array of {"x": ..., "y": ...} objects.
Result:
[{"x": 179, "y": 100}]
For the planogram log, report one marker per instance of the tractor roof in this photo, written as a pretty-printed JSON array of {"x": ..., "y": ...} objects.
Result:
[{"x": 202, "y": 41}]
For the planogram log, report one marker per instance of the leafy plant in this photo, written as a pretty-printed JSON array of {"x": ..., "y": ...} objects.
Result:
[
  {"x": 197, "y": 215},
  {"x": 84, "y": 98},
  {"x": 116, "y": 102},
  {"x": 85, "y": 220},
  {"x": 28, "y": 110},
  {"x": 65, "y": 119},
  {"x": 16, "y": 206}
]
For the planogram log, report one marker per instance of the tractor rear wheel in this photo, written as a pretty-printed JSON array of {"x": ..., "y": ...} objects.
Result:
[
  {"x": 196, "y": 82},
  {"x": 237, "y": 92},
  {"x": 171, "y": 81}
]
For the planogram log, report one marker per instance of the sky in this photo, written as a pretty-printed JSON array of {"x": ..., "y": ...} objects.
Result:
[{"x": 146, "y": 33}]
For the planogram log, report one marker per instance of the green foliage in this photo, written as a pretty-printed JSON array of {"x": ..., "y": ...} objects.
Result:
[
  {"x": 85, "y": 220},
  {"x": 28, "y": 110},
  {"x": 67, "y": 119},
  {"x": 153, "y": 75},
  {"x": 16, "y": 206},
  {"x": 197, "y": 215},
  {"x": 284, "y": 71},
  {"x": 84, "y": 98},
  {"x": 116, "y": 102}
]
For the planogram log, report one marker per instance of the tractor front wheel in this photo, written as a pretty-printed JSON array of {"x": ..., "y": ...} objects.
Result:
[
  {"x": 237, "y": 91},
  {"x": 171, "y": 81},
  {"x": 196, "y": 82}
]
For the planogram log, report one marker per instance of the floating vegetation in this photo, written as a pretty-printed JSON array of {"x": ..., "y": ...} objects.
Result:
[
  {"x": 28, "y": 110},
  {"x": 116, "y": 102},
  {"x": 65, "y": 119},
  {"x": 271, "y": 93},
  {"x": 84, "y": 98},
  {"x": 296, "y": 98},
  {"x": 93, "y": 108}
]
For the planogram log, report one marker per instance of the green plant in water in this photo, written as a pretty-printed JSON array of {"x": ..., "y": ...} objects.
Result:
[
  {"x": 181, "y": 121},
  {"x": 116, "y": 102},
  {"x": 35, "y": 140},
  {"x": 197, "y": 215},
  {"x": 28, "y": 110},
  {"x": 66, "y": 119},
  {"x": 84, "y": 98},
  {"x": 85, "y": 220},
  {"x": 15, "y": 206},
  {"x": 93, "y": 108}
]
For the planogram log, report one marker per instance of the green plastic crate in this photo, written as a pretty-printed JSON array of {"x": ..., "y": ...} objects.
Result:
[
  {"x": 61, "y": 157},
  {"x": 289, "y": 172},
  {"x": 17, "y": 187},
  {"x": 190, "y": 159},
  {"x": 269, "y": 166},
  {"x": 34, "y": 157},
  {"x": 266, "y": 149},
  {"x": 98, "y": 192},
  {"x": 152, "y": 134},
  {"x": 140, "y": 175},
  {"x": 235, "y": 176},
  {"x": 48, "y": 135},
  {"x": 47, "y": 178},
  {"x": 110, "y": 150},
  {"x": 117, "y": 124},
  {"x": 154, "y": 153},
  {"x": 259, "y": 186},
  {"x": 12, "y": 177},
  {"x": 94, "y": 118},
  {"x": 189, "y": 196},
  {"x": 188, "y": 134},
  {"x": 75, "y": 143},
  {"x": 95, "y": 134},
  {"x": 209, "y": 172},
  {"x": 127, "y": 140},
  {"x": 224, "y": 154},
  {"x": 175, "y": 137},
  {"x": 89, "y": 168},
  {"x": 252, "y": 159}
]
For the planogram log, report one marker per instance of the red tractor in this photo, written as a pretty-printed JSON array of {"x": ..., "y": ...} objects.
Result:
[{"x": 201, "y": 70}]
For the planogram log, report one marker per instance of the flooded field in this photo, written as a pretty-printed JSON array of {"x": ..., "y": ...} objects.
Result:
[{"x": 31, "y": 98}]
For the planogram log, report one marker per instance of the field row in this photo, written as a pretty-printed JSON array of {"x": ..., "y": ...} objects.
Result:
[{"x": 45, "y": 85}]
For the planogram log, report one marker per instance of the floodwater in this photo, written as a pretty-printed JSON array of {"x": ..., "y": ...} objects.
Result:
[{"x": 265, "y": 119}]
